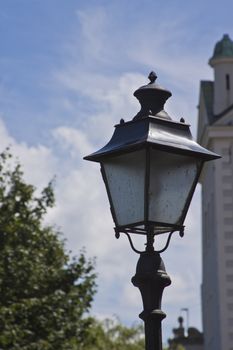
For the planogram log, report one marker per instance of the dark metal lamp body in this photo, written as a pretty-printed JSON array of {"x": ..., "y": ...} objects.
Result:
[{"x": 150, "y": 168}]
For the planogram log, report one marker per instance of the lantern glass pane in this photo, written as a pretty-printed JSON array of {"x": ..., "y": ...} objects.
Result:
[
  {"x": 171, "y": 181},
  {"x": 125, "y": 177}
]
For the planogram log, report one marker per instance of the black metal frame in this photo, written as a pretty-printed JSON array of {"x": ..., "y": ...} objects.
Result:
[
  {"x": 162, "y": 134},
  {"x": 144, "y": 231},
  {"x": 151, "y": 279},
  {"x": 150, "y": 241},
  {"x": 149, "y": 133},
  {"x": 147, "y": 186},
  {"x": 162, "y": 226}
]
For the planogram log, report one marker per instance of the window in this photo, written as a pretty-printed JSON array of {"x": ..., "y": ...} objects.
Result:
[
  {"x": 228, "y": 206},
  {"x": 228, "y": 82},
  {"x": 228, "y": 221},
  {"x": 230, "y": 336},
  {"x": 225, "y": 151},
  {"x": 228, "y": 235},
  {"x": 229, "y": 249},
  {"x": 227, "y": 178},
  {"x": 227, "y": 193},
  {"x": 229, "y": 263},
  {"x": 225, "y": 164}
]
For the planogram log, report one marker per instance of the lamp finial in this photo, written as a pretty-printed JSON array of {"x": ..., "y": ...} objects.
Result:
[{"x": 152, "y": 77}]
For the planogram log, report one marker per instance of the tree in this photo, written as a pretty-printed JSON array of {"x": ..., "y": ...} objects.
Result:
[
  {"x": 111, "y": 334},
  {"x": 44, "y": 294},
  {"x": 175, "y": 347}
]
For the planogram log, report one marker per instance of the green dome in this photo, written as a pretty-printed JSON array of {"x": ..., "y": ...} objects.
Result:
[{"x": 223, "y": 48}]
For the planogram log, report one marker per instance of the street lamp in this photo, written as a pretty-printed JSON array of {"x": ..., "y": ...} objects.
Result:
[{"x": 150, "y": 168}]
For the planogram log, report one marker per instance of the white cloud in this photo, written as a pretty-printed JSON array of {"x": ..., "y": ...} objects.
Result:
[
  {"x": 93, "y": 25},
  {"x": 73, "y": 141},
  {"x": 111, "y": 97},
  {"x": 5, "y": 138},
  {"x": 39, "y": 163}
]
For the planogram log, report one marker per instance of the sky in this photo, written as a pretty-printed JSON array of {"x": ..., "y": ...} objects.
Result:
[{"x": 68, "y": 70}]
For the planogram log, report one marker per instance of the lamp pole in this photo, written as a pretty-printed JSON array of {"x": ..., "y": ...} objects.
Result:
[
  {"x": 151, "y": 279},
  {"x": 186, "y": 310},
  {"x": 150, "y": 168}
]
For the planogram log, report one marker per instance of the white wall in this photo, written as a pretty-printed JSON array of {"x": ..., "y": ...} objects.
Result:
[{"x": 223, "y": 98}]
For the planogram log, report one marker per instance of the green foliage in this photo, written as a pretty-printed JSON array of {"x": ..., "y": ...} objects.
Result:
[
  {"x": 174, "y": 346},
  {"x": 180, "y": 347},
  {"x": 44, "y": 294},
  {"x": 111, "y": 334}
]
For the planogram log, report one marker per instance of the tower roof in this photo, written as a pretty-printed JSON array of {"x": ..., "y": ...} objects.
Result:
[{"x": 223, "y": 48}]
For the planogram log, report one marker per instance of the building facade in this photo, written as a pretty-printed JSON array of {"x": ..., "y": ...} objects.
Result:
[
  {"x": 215, "y": 131},
  {"x": 192, "y": 341}
]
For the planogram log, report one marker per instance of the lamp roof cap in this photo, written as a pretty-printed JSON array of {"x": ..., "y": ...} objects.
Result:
[{"x": 152, "y": 98}]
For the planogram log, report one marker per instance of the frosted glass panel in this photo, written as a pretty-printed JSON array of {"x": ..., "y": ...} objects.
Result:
[
  {"x": 125, "y": 177},
  {"x": 171, "y": 179}
]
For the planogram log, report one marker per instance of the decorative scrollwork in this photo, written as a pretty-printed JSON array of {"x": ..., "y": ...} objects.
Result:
[
  {"x": 167, "y": 243},
  {"x": 150, "y": 240},
  {"x": 117, "y": 235}
]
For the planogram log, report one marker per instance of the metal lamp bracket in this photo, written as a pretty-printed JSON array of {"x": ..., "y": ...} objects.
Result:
[{"x": 150, "y": 241}]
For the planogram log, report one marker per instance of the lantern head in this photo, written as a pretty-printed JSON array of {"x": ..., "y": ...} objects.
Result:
[{"x": 151, "y": 167}]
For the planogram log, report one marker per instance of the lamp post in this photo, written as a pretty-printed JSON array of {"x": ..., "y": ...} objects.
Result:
[{"x": 150, "y": 168}]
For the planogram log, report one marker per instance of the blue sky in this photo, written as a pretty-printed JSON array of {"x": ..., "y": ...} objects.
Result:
[{"x": 68, "y": 70}]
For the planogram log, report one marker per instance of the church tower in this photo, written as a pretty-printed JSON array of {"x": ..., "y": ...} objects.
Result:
[{"x": 215, "y": 131}]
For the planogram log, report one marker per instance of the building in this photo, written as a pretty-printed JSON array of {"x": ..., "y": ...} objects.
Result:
[
  {"x": 193, "y": 340},
  {"x": 215, "y": 131}
]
